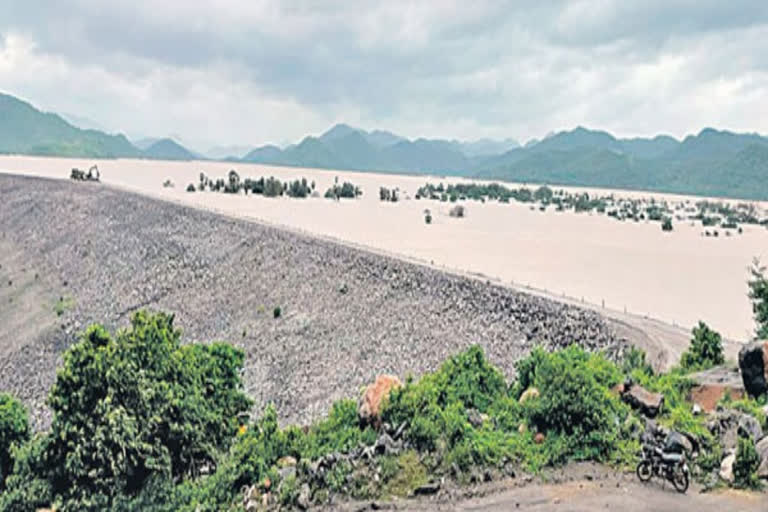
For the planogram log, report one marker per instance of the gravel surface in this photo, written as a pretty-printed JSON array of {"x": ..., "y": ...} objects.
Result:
[{"x": 347, "y": 314}]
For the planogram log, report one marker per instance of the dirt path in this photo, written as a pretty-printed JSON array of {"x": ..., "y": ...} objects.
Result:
[
  {"x": 576, "y": 487},
  {"x": 586, "y": 496}
]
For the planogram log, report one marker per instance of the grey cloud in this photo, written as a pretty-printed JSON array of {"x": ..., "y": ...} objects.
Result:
[{"x": 517, "y": 66}]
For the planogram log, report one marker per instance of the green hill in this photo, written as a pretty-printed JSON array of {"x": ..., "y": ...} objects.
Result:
[
  {"x": 712, "y": 162},
  {"x": 168, "y": 149},
  {"x": 26, "y": 130}
]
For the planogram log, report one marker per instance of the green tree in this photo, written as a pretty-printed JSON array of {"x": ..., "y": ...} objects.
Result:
[
  {"x": 543, "y": 194},
  {"x": 758, "y": 294},
  {"x": 138, "y": 405},
  {"x": 705, "y": 350},
  {"x": 14, "y": 430},
  {"x": 746, "y": 465},
  {"x": 233, "y": 182}
]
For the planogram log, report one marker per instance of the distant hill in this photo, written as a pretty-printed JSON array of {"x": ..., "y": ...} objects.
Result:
[
  {"x": 26, "y": 130},
  {"x": 712, "y": 162},
  {"x": 145, "y": 143},
  {"x": 345, "y": 147},
  {"x": 168, "y": 149}
]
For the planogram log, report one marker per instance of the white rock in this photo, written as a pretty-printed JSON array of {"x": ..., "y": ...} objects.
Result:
[{"x": 726, "y": 467}]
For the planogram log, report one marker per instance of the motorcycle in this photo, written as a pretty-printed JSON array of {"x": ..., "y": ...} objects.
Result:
[{"x": 663, "y": 464}]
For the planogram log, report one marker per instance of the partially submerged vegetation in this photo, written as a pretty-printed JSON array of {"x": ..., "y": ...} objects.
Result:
[
  {"x": 267, "y": 187},
  {"x": 724, "y": 215},
  {"x": 272, "y": 187},
  {"x": 344, "y": 191}
]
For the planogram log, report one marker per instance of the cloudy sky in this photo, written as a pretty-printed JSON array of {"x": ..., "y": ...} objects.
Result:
[{"x": 215, "y": 72}]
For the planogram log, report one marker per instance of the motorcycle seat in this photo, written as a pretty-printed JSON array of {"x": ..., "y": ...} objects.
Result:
[{"x": 671, "y": 457}]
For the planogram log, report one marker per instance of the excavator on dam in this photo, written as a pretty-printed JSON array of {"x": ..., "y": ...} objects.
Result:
[{"x": 93, "y": 174}]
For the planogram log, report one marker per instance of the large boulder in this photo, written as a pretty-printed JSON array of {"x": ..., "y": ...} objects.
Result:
[
  {"x": 369, "y": 407},
  {"x": 728, "y": 424},
  {"x": 648, "y": 403},
  {"x": 753, "y": 362}
]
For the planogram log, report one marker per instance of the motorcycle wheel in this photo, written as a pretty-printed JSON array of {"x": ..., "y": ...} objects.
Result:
[
  {"x": 644, "y": 471},
  {"x": 680, "y": 479}
]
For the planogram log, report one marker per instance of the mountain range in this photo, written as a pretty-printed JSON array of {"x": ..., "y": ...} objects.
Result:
[{"x": 712, "y": 162}]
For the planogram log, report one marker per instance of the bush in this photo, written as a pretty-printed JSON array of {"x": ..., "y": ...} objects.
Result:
[
  {"x": 666, "y": 224},
  {"x": 28, "y": 489},
  {"x": 14, "y": 430},
  {"x": 138, "y": 405},
  {"x": 386, "y": 194},
  {"x": 758, "y": 294},
  {"x": 635, "y": 359},
  {"x": 273, "y": 187},
  {"x": 191, "y": 187},
  {"x": 457, "y": 211},
  {"x": 746, "y": 465},
  {"x": 346, "y": 190},
  {"x": 575, "y": 400},
  {"x": 277, "y": 312},
  {"x": 299, "y": 188},
  {"x": 705, "y": 351}
]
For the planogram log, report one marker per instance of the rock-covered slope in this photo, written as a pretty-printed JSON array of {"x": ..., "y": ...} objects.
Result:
[{"x": 346, "y": 314}]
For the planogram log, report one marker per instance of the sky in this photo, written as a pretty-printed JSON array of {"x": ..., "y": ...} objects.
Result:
[{"x": 249, "y": 72}]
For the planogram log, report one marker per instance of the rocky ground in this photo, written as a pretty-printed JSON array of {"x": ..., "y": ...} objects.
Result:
[{"x": 76, "y": 253}]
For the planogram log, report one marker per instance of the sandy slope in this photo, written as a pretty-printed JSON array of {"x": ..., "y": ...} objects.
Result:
[{"x": 678, "y": 278}]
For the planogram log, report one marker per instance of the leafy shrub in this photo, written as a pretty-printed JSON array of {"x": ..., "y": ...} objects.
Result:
[
  {"x": 758, "y": 294},
  {"x": 575, "y": 400},
  {"x": 666, "y": 224},
  {"x": 191, "y": 187},
  {"x": 27, "y": 489},
  {"x": 233, "y": 182},
  {"x": 635, "y": 359},
  {"x": 705, "y": 351},
  {"x": 390, "y": 195},
  {"x": 273, "y": 187},
  {"x": 277, "y": 312},
  {"x": 14, "y": 430},
  {"x": 408, "y": 474},
  {"x": 339, "y": 432},
  {"x": 298, "y": 188},
  {"x": 136, "y": 405},
  {"x": 345, "y": 190},
  {"x": 746, "y": 465}
]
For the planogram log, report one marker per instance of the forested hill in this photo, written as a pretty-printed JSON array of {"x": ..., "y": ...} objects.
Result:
[
  {"x": 711, "y": 163},
  {"x": 717, "y": 163}
]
